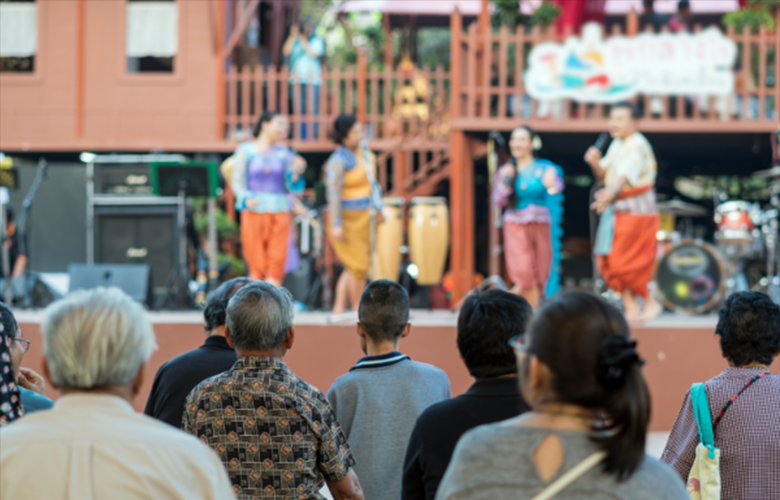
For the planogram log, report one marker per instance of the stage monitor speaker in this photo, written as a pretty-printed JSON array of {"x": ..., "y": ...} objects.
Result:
[
  {"x": 133, "y": 279},
  {"x": 123, "y": 179},
  {"x": 141, "y": 234}
]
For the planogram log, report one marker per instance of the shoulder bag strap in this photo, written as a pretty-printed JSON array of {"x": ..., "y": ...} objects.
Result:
[
  {"x": 571, "y": 475},
  {"x": 701, "y": 410},
  {"x": 731, "y": 401}
]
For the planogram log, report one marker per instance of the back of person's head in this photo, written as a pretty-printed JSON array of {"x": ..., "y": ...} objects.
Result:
[
  {"x": 486, "y": 322},
  {"x": 7, "y": 322},
  {"x": 259, "y": 317},
  {"x": 749, "y": 328},
  {"x": 96, "y": 338},
  {"x": 215, "y": 310},
  {"x": 10, "y": 215},
  {"x": 585, "y": 343},
  {"x": 384, "y": 310}
]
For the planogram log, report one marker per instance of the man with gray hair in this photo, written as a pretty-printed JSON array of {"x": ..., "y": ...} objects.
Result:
[
  {"x": 276, "y": 434},
  {"x": 92, "y": 444}
]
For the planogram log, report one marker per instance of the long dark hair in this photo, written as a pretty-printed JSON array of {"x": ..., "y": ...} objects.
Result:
[
  {"x": 266, "y": 117},
  {"x": 512, "y": 202},
  {"x": 341, "y": 127},
  {"x": 586, "y": 344}
]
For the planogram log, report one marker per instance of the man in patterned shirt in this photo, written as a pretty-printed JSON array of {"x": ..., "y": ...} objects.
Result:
[
  {"x": 626, "y": 240},
  {"x": 276, "y": 434}
]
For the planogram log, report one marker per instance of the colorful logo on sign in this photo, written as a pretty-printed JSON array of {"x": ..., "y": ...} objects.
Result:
[{"x": 590, "y": 69}]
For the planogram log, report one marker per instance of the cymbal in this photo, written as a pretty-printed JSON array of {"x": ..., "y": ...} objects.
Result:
[
  {"x": 772, "y": 172},
  {"x": 681, "y": 209}
]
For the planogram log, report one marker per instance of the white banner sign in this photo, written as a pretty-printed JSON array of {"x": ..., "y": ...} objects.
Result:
[
  {"x": 590, "y": 69},
  {"x": 18, "y": 29}
]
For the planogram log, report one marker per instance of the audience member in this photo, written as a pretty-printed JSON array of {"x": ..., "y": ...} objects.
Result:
[
  {"x": 32, "y": 387},
  {"x": 10, "y": 403},
  {"x": 380, "y": 398},
  {"x": 581, "y": 375},
  {"x": 744, "y": 403},
  {"x": 305, "y": 49},
  {"x": 486, "y": 323},
  {"x": 92, "y": 444},
  {"x": 652, "y": 18},
  {"x": 276, "y": 434},
  {"x": 681, "y": 22},
  {"x": 177, "y": 377}
]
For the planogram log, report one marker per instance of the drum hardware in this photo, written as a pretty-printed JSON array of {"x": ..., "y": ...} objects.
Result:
[
  {"x": 680, "y": 208},
  {"x": 771, "y": 172},
  {"x": 429, "y": 236}
]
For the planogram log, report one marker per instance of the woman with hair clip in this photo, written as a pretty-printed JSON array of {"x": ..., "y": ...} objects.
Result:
[
  {"x": 265, "y": 179},
  {"x": 350, "y": 176},
  {"x": 530, "y": 190},
  {"x": 584, "y": 437}
]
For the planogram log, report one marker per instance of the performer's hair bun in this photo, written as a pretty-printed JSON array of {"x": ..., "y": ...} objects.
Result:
[{"x": 266, "y": 117}]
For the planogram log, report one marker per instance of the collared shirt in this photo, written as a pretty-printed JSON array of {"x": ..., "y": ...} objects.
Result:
[
  {"x": 277, "y": 435},
  {"x": 92, "y": 447},
  {"x": 377, "y": 403},
  {"x": 177, "y": 377},
  {"x": 631, "y": 158},
  {"x": 748, "y": 435},
  {"x": 440, "y": 427}
]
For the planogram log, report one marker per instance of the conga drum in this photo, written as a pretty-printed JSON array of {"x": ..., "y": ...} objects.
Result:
[
  {"x": 389, "y": 239},
  {"x": 429, "y": 237}
]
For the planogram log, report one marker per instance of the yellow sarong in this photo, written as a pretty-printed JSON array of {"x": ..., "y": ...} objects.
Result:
[{"x": 355, "y": 250}]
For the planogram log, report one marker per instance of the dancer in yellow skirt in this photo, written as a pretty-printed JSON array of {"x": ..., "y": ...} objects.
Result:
[{"x": 353, "y": 193}]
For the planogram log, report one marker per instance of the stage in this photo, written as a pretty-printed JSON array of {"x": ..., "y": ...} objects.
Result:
[{"x": 679, "y": 350}]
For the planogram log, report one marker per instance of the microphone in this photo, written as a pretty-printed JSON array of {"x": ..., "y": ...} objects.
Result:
[{"x": 601, "y": 141}]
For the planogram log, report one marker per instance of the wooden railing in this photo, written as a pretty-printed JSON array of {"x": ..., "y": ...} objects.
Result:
[
  {"x": 371, "y": 93},
  {"x": 489, "y": 92}
]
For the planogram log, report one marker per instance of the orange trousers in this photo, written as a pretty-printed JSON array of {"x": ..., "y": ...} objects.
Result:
[
  {"x": 264, "y": 240},
  {"x": 630, "y": 264}
]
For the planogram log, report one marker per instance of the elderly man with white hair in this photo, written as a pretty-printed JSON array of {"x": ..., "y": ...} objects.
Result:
[
  {"x": 92, "y": 445},
  {"x": 276, "y": 434}
]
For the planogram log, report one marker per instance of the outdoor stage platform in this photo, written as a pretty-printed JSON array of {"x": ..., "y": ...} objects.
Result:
[{"x": 679, "y": 350}]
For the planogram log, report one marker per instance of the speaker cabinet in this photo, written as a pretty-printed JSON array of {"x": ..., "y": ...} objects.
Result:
[{"x": 141, "y": 232}]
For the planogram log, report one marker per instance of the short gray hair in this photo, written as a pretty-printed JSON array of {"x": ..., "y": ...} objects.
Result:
[
  {"x": 259, "y": 316},
  {"x": 95, "y": 338}
]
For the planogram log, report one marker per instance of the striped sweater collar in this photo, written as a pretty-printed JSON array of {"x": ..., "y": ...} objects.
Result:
[{"x": 380, "y": 361}]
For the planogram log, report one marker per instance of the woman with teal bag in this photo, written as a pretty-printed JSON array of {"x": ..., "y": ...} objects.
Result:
[{"x": 530, "y": 189}]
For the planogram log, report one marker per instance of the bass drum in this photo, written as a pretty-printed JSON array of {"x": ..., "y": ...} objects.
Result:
[{"x": 691, "y": 277}]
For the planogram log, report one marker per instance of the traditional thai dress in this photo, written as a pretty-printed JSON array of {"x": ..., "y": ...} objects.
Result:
[
  {"x": 532, "y": 227},
  {"x": 265, "y": 177},
  {"x": 352, "y": 192},
  {"x": 626, "y": 241}
]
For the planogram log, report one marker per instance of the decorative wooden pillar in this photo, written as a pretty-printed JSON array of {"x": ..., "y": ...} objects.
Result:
[
  {"x": 220, "y": 107},
  {"x": 362, "y": 90},
  {"x": 462, "y": 214},
  {"x": 388, "y": 40}
]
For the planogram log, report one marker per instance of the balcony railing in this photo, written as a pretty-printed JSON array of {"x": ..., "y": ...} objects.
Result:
[{"x": 488, "y": 93}]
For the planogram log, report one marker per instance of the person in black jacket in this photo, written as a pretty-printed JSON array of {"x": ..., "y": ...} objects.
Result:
[
  {"x": 178, "y": 376},
  {"x": 486, "y": 323}
]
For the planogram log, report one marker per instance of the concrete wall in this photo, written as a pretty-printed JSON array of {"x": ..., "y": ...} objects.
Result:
[
  {"x": 121, "y": 111},
  {"x": 676, "y": 357}
]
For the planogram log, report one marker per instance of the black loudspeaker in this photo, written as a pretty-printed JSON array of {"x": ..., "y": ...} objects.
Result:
[
  {"x": 299, "y": 281},
  {"x": 133, "y": 279},
  {"x": 131, "y": 179},
  {"x": 141, "y": 234}
]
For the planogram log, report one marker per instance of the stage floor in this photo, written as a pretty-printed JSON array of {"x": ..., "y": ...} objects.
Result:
[{"x": 679, "y": 350}]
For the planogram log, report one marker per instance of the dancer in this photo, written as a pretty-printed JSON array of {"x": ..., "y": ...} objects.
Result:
[
  {"x": 265, "y": 179},
  {"x": 626, "y": 239},
  {"x": 531, "y": 191},
  {"x": 353, "y": 193}
]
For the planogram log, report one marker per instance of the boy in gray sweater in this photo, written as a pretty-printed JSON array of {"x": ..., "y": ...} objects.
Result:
[{"x": 379, "y": 400}]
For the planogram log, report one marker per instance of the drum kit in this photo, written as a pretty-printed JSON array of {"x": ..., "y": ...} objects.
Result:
[{"x": 693, "y": 276}]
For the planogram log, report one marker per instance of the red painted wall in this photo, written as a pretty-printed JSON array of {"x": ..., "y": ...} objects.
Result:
[
  {"x": 142, "y": 111},
  {"x": 675, "y": 358}
]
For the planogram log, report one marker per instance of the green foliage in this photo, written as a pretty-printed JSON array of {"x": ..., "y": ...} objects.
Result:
[
  {"x": 507, "y": 14},
  {"x": 236, "y": 266},
  {"x": 226, "y": 228},
  {"x": 753, "y": 16},
  {"x": 545, "y": 15},
  {"x": 433, "y": 46}
]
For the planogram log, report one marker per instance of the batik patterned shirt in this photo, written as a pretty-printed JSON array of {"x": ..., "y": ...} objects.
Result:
[
  {"x": 277, "y": 435},
  {"x": 631, "y": 158}
]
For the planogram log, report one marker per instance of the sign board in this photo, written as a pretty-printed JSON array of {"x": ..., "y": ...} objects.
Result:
[{"x": 591, "y": 69}]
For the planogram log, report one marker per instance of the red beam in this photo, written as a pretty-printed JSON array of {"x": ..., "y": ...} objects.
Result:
[
  {"x": 243, "y": 21},
  {"x": 462, "y": 215},
  {"x": 80, "y": 47}
]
